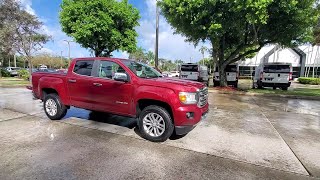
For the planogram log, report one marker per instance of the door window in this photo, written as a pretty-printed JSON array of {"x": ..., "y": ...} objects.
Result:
[
  {"x": 83, "y": 67},
  {"x": 107, "y": 69}
]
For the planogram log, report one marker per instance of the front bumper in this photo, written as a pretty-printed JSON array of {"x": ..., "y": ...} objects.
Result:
[{"x": 183, "y": 125}]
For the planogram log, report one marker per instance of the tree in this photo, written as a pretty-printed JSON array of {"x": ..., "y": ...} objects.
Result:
[
  {"x": 28, "y": 40},
  {"x": 101, "y": 25},
  {"x": 237, "y": 29},
  {"x": 19, "y": 31},
  {"x": 150, "y": 57},
  {"x": 138, "y": 55}
]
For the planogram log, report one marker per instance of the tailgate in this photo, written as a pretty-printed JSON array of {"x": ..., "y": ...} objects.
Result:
[
  {"x": 189, "y": 75},
  {"x": 275, "y": 78}
]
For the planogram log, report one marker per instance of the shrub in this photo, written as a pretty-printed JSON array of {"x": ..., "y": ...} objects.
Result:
[
  {"x": 312, "y": 81},
  {"x": 23, "y": 73},
  {"x": 5, "y": 73}
]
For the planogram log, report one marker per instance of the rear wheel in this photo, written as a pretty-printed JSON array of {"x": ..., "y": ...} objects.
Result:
[
  {"x": 259, "y": 85},
  {"x": 285, "y": 88},
  {"x": 155, "y": 124},
  {"x": 53, "y": 107}
]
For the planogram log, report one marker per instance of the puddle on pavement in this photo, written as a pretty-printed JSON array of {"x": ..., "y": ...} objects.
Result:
[{"x": 101, "y": 117}]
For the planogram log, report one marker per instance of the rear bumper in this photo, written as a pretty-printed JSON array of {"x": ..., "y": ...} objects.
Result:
[
  {"x": 275, "y": 84},
  {"x": 183, "y": 125}
]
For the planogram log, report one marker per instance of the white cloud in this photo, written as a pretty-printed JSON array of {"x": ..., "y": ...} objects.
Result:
[
  {"x": 171, "y": 46},
  {"x": 26, "y": 5}
]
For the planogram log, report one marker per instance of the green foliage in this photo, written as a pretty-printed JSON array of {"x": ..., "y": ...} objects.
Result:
[
  {"x": 5, "y": 73},
  {"x": 101, "y": 25},
  {"x": 312, "y": 81},
  {"x": 239, "y": 29},
  {"x": 24, "y": 74}
]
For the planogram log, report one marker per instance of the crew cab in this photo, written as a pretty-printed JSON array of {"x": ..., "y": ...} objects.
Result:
[{"x": 162, "y": 106}]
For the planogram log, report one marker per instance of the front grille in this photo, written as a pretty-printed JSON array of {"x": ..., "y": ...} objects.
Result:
[{"x": 203, "y": 97}]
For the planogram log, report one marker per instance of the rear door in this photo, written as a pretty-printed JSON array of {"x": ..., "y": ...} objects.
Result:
[
  {"x": 231, "y": 71},
  {"x": 276, "y": 74},
  {"x": 80, "y": 84},
  {"x": 189, "y": 72},
  {"x": 110, "y": 95}
]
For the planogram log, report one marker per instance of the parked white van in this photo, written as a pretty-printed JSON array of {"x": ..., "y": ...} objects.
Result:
[
  {"x": 232, "y": 72},
  {"x": 276, "y": 75},
  {"x": 194, "y": 72}
]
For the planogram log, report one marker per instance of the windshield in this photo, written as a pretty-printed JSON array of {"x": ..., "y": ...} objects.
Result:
[{"x": 141, "y": 70}]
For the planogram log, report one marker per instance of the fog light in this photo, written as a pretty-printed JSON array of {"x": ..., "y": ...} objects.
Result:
[{"x": 189, "y": 115}]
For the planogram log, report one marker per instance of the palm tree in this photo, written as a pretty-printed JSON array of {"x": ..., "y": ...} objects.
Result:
[
  {"x": 150, "y": 57},
  {"x": 203, "y": 49}
]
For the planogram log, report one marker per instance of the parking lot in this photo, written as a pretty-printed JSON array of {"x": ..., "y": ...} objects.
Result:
[{"x": 244, "y": 137}]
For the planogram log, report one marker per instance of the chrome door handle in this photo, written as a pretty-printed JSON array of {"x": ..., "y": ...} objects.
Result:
[
  {"x": 97, "y": 84},
  {"x": 72, "y": 80}
]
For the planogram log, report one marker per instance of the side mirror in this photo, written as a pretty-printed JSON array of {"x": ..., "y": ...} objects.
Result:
[{"x": 121, "y": 77}]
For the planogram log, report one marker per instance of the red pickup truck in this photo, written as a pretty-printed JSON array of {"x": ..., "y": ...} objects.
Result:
[{"x": 162, "y": 106}]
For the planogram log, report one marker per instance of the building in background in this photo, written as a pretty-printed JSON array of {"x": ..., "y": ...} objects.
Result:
[{"x": 305, "y": 60}]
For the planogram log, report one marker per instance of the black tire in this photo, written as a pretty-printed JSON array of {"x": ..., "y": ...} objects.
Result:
[
  {"x": 61, "y": 108},
  {"x": 259, "y": 85},
  {"x": 169, "y": 127},
  {"x": 216, "y": 84},
  {"x": 236, "y": 85},
  {"x": 274, "y": 88},
  {"x": 285, "y": 88}
]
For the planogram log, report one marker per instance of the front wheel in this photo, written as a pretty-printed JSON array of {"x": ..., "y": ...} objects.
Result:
[
  {"x": 53, "y": 107},
  {"x": 285, "y": 88},
  {"x": 155, "y": 124}
]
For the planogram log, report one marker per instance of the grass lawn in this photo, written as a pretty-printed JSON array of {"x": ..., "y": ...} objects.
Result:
[
  {"x": 13, "y": 82},
  {"x": 296, "y": 92}
]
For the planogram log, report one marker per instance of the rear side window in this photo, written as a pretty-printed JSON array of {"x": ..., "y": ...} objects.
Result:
[
  {"x": 276, "y": 69},
  {"x": 190, "y": 68},
  {"x": 83, "y": 67}
]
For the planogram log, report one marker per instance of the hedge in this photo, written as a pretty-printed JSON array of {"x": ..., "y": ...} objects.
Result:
[
  {"x": 306, "y": 80},
  {"x": 23, "y": 73},
  {"x": 5, "y": 73}
]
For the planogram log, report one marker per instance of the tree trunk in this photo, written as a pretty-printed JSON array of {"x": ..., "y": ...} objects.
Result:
[
  {"x": 222, "y": 75},
  {"x": 97, "y": 53},
  {"x": 30, "y": 70}
]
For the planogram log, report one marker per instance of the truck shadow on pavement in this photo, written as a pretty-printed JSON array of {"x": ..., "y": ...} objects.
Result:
[{"x": 130, "y": 123}]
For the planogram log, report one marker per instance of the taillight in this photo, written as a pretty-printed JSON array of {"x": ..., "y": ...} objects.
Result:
[
  {"x": 261, "y": 76},
  {"x": 290, "y": 76}
]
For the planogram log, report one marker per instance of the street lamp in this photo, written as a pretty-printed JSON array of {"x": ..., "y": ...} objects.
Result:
[
  {"x": 68, "y": 41},
  {"x": 156, "y": 58}
]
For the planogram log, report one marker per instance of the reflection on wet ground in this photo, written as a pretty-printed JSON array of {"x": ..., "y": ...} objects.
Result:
[{"x": 101, "y": 117}]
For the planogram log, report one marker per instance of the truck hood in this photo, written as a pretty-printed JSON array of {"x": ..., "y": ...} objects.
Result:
[{"x": 177, "y": 84}]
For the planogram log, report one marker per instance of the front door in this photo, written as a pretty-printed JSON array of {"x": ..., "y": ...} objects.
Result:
[
  {"x": 80, "y": 84},
  {"x": 110, "y": 95}
]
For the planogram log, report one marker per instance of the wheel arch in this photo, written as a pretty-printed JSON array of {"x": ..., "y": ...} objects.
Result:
[{"x": 143, "y": 103}]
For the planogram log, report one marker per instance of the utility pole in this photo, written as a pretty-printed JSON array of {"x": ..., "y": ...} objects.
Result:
[
  {"x": 61, "y": 60},
  {"x": 15, "y": 60},
  {"x": 68, "y": 41},
  {"x": 156, "y": 57}
]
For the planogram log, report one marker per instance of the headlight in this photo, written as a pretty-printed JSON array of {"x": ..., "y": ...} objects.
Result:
[{"x": 188, "y": 98}]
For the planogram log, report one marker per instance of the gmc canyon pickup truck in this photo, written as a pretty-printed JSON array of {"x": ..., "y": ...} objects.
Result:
[{"x": 162, "y": 106}]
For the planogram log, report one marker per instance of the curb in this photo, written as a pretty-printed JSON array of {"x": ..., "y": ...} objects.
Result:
[{"x": 264, "y": 95}]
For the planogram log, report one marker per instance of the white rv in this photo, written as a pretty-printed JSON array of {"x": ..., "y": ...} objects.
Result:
[
  {"x": 275, "y": 75},
  {"x": 194, "y": 72},
  {"x": 232, "y": 72}
]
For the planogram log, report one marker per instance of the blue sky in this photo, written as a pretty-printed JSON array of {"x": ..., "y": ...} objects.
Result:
[{"x": 170, "y": 46}]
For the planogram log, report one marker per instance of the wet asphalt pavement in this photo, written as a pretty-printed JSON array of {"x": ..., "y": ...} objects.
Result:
[{"x": 243, "y": 137}]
